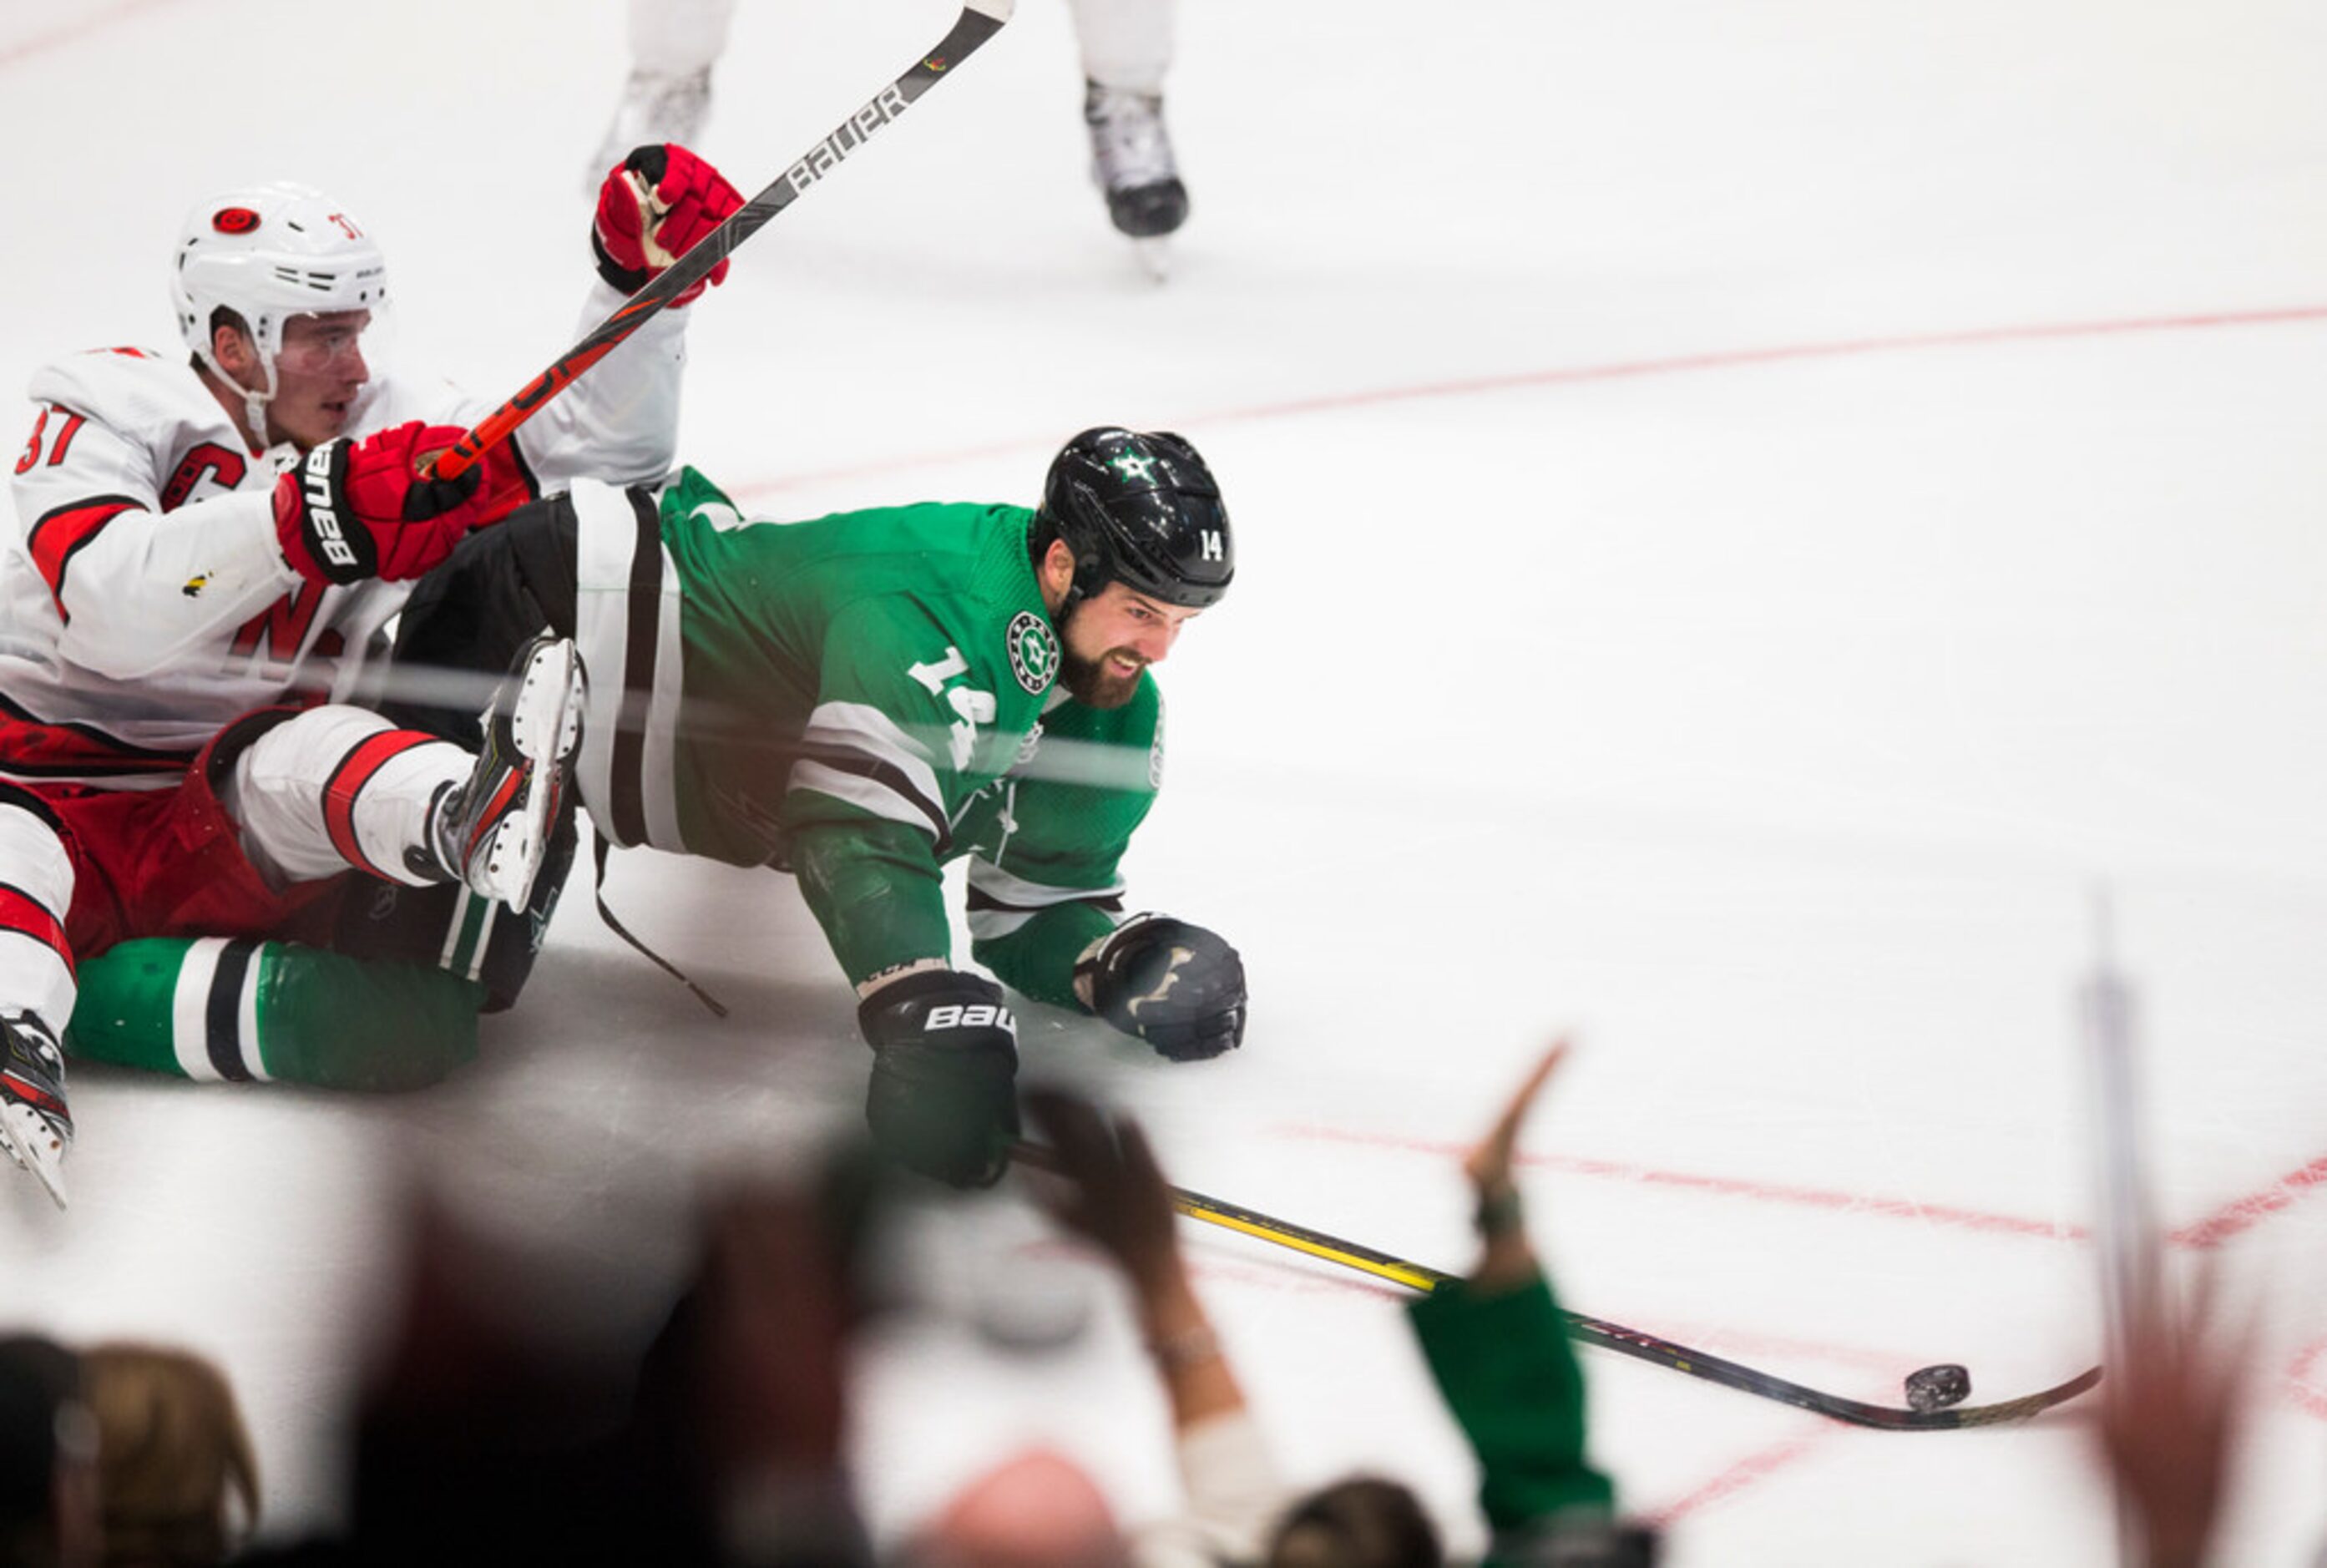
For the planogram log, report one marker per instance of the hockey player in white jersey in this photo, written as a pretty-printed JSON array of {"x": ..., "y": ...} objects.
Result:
[
  {"x": 1127, "y": 48},
  {"x": 206, "y": 543}
]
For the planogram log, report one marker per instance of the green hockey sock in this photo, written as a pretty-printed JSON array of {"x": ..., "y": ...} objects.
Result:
[{"x": 213, "y": 1008}]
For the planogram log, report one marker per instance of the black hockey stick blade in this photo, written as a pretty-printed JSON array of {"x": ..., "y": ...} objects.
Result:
[
  {"x": 979, "y": 21},
  {"x": 1768, "y": 1386},
  {"x": 1610, "y": 1336}
]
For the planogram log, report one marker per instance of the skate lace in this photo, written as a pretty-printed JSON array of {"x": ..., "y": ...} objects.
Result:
[
  {"x": 33, "y": 1054},
  {"x": 1128, "y": 139}
]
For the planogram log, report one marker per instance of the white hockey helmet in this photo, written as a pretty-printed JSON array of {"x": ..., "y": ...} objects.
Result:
[{"x": 268, "y": 253}]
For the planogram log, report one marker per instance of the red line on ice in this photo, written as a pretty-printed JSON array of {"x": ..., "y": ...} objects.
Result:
[
  {"x": 1616, "y": 370},
  {"x": 2243, "y": 1214},
  {"x": 1745, "y": 1472},
  {"x": 72, "y": 32},
  {"x": 1730, "y": 1186},
  {"x": 2303, "y": 1384}
]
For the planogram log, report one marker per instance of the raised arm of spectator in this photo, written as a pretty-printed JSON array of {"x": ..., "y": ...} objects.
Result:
[
  {"x": 1499, "y": 1350},
  {"x": 1115, "y": 1196}
]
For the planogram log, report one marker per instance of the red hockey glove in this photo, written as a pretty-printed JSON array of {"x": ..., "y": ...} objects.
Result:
[
  {"x": 348, "y": 510},
  {"x": 654, "y": 205},
  {"x": 508, "y": 484}
]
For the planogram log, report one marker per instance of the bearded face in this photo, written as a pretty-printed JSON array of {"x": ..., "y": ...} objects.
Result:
[{"x": 1109, "y": 637}]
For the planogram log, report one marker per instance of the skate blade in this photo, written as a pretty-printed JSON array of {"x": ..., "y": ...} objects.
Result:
[
  {"x": 544, "y": 729},
  {"x": 548, "y": 703},
  {"x": 513, "y": 858},
  {"x": 1154, "y": 255},
  {"x": 26, "y": 1138}
]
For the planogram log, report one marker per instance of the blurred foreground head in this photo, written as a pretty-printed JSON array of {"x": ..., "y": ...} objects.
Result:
[
  {"x": 1039, "y": 1509},
  {"x": 1356, "y": 1523},
  {"x": 48, "y": 1457},
  {"x": 178, "y": 1482}
]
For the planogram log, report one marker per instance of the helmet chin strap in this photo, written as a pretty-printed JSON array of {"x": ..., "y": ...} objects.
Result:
[{"x": 254, "y": 402}]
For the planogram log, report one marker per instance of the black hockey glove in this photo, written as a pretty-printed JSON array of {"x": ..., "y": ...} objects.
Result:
[
  {"x": 943, "y": 1099},
  {"x": 1177, "y": 986}
]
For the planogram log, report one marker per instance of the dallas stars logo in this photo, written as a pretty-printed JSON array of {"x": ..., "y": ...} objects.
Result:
[
  {"x": 1133, "y": 465},
  {"x": 1033, "y": 651}
]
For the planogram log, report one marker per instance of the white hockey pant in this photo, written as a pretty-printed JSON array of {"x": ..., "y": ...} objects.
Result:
[
  {"x": 1127, "y": 44},
  {"x": 678, "y": 37},
  {"x": 34, "y": 978},
  {"x": 339, "y": 787}
]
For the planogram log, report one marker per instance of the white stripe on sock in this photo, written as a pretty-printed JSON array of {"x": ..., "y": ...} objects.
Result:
[{"x": 190, "y": 1034}]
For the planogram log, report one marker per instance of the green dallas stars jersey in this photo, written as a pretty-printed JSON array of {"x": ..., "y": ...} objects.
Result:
[
  {"x": 1047, "y": 838},
  {"x": 856, "y": 697}
]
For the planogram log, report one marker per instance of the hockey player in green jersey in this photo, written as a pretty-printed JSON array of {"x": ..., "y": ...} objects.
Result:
[{"x": 862, "y": 697}]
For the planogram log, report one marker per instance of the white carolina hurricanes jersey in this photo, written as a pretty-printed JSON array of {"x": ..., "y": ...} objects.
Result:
[{"x": 144, "y": 601}]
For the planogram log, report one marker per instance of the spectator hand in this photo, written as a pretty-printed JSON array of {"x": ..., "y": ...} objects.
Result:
[
  {"x": 1488, "y": 1162},
  {"x": 654, "y": 205},
  {"x": 1507, "y": 1259},
  {"x": 1177, "y": 986},
  {"x": 1116, "y": 1196},
  {"x": 350, "y": 511}
]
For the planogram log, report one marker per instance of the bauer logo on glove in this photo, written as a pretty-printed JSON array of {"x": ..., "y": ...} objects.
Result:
[
  {"x": 323, "y": 532},
  {"x": 1177, "y": 986},
  {"x": 355, "y": 510},
  {"x": 942, "y": 1099}
]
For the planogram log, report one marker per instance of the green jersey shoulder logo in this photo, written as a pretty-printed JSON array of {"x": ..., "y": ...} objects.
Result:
[{"x": 1033, "y": 651}]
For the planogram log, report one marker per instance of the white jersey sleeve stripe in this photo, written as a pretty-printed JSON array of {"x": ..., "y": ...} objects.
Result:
[
  {"x": 1015, "y": 893},
  {"x": 993, "y": 925},
  {"x": 861, "y": 790},
  {"x": 859, "y": 742}
]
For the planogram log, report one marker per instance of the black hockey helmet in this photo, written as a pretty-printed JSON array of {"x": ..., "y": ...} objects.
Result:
[{"x": 1139, "y": 507}]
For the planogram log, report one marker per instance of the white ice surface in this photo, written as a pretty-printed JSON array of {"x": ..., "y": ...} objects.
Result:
[{"x": 1745, "y": 514}]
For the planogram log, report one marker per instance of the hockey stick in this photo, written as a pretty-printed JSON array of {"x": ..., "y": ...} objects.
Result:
[
  {"x": 979, "y": 21},
  {"x": 1608, "y": 1336}
]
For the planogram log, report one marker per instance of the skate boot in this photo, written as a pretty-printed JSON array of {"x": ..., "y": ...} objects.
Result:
[
  {"x": 654, "y": 107},
  {"x": 35, "y": 1128},
  {"x": 1131, "y": 160},
  {"x": 491, "y": 832}
]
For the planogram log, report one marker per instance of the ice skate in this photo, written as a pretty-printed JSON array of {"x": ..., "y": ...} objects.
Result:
[
  {"x": 491, "y": 832},
  {"x": 1132, "y": 163},
  {"x": 654, "y": 107},
  {"x": 35, "y": 1128}
]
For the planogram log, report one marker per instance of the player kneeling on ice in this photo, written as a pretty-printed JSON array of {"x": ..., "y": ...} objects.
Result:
[
  {"x": 208, "y": 542},
  {"x": 246, "y": 846},
  {"x": 862, "y": 697}
]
